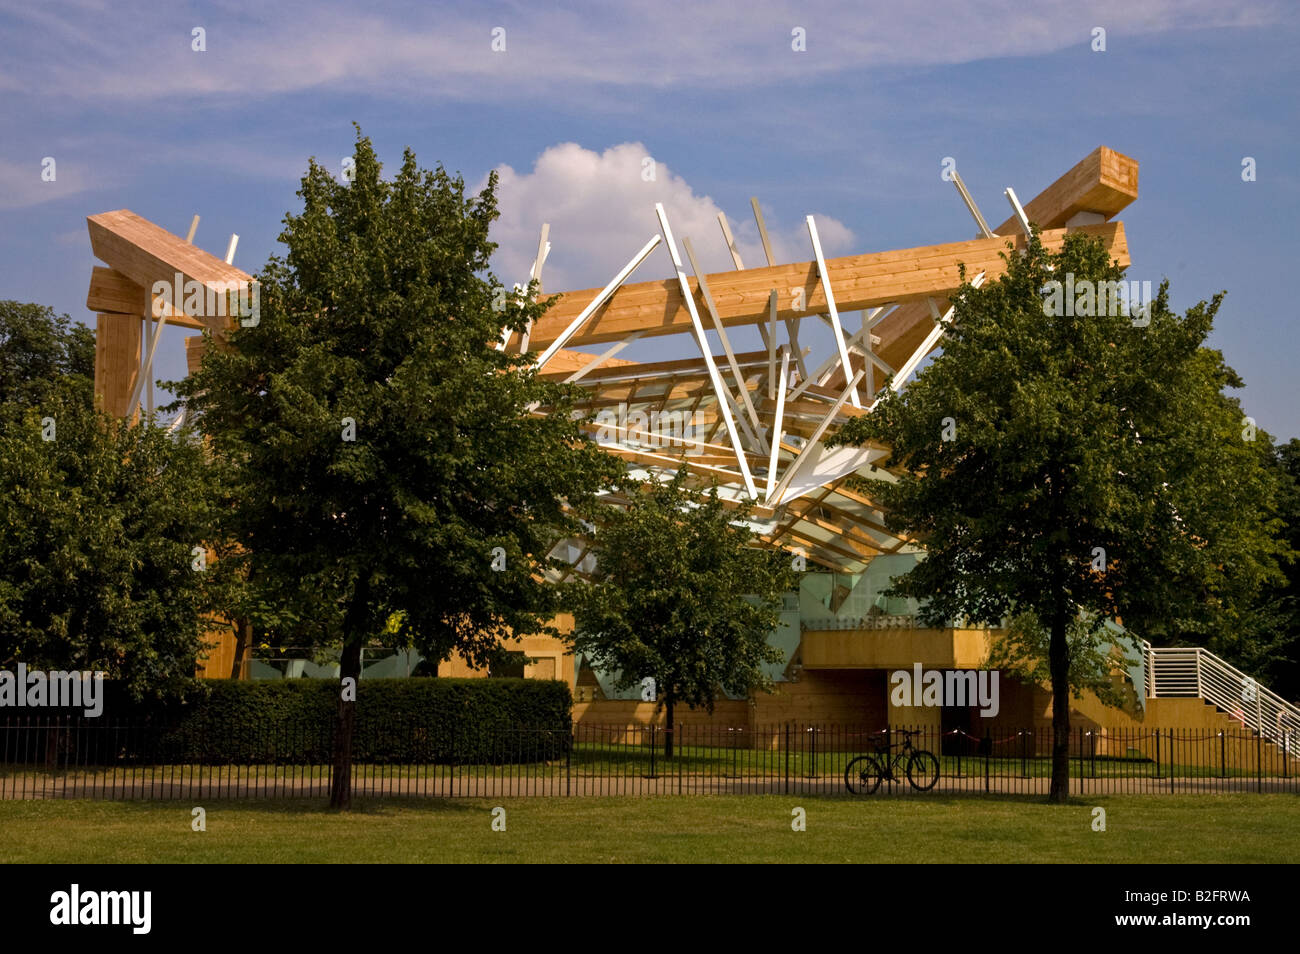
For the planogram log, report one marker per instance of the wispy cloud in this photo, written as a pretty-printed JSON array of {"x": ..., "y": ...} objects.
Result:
[
  {"x": 24, "y": 184},
  {"x": 136, "y": 51}
]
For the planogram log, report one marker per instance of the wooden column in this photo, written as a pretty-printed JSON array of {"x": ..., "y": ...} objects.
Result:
[{"x": 117, "y": 361}]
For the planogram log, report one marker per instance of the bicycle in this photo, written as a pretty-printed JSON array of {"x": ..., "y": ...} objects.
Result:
[{"x": 863, "y": 775}]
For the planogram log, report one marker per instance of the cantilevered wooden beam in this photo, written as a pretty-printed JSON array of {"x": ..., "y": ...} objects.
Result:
[
  {"x": 1104, "y": 183},
  {"x": 146, "y": 253}
]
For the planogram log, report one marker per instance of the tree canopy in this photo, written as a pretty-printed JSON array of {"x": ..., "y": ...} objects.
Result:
[
  {"x": 1088, "y": 459},
  {"x": 102, "y": 518},
  {"x": 390, "y": 469},
  {"x": 681, "y": 596}
]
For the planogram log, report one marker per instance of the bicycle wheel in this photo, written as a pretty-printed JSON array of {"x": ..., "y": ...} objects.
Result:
[
  {"x": 862, "y": 776},
  {"x": 922, "y": 770}
]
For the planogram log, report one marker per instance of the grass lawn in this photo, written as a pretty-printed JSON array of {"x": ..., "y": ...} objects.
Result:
[{"x": 752, "y": 828}]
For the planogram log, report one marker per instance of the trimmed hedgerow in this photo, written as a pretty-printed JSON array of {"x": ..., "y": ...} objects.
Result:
[{"x": 408, "y": 721}]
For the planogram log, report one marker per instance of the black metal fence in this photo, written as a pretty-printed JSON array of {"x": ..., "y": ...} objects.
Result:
[{"x": 54, "y": 758}]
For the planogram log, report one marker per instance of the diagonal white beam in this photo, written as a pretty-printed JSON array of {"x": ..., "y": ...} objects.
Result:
[
  {"x": 769, "y": 337},
  {"x": 601, "y": 358},
  {"x": 827, "y": 365},
  {"x": 534, "y": 271},
  {"x": 778, "y": 423},
  {"x": 791, "y": 324},
  {"x": 146, "y": 366},
  {"x": 723, "y": 406},
  {"x": 1018, "y": 210},
  {"x": 543, "y": 250},
  {"x": 971, "y": 207},
  {"x": 597, "y": 302},
  {"x": 926, "y": 346},
  {"x": 810, "y": 450},
  {"x": 703, "y": 281},
  {"x": 830, "y": 306}
]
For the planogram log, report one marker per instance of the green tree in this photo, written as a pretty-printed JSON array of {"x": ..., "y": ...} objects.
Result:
[
  {"x": 681, "y": 596},
  {"x": 1025, "y": 648},
  {"x": 39, "y": 350},
  {"x": 390, "y": 469},
  {"x": 1059, "y": 464},
  {"x": 97, "y": 561},
  {"x": 1267, "y": 644}
]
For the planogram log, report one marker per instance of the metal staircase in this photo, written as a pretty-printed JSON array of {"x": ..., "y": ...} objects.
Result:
[{"x": 1198, "y": 673}]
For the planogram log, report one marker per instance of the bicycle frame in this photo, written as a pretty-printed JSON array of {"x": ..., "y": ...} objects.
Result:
[{"x": 889, "y": 761}]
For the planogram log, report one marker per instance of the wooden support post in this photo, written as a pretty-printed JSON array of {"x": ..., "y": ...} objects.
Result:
[{"x": 117, "y": 361}]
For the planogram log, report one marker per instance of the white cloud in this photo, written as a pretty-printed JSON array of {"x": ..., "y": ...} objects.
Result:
[
  {"x": 433, "y": 52},
  {"x": 601, "y": 212}
]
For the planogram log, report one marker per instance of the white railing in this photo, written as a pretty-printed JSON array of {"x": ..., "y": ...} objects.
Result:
[{"x": 1198, "y": 673}]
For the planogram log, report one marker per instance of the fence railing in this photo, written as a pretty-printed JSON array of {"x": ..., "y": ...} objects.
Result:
[{"x": 101, "y": 759}]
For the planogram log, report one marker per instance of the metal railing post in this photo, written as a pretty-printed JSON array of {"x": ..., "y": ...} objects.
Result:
[
  {"x": 1259, "y": 761},
  {"x": 653, "y": 746},
  {"x": 987, "y": 746},
  {"x": 787, "y": 758}
]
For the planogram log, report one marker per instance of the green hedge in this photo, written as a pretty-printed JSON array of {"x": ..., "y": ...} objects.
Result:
[{"x": 291, "y": 721}]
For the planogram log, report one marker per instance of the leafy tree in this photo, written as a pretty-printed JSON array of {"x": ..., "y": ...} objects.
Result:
[
  {"x": 1267, "y": 644},
  {"x": 680, "y": 595},
  {"x": 390, "y": 468},
  {"x": 101, "y": 520},
  {"x": 1025, "y": 647},
  {"x": 1059, "y": 464},
  {"x": 38, "y": 349}
]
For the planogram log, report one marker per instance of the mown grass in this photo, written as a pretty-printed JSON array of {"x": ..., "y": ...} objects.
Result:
[{"x": 750, "y": 829}]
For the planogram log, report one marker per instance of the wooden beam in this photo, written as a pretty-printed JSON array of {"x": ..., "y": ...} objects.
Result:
[
  {"x": 860, "y": 281},
  {"x": 112, "y": 292},
  {"x": 195, "y": 348},
  {"x": 618, "y": 368},
  {"x": 147, "y": 253},
  {"x": 1104, "y": 181}
]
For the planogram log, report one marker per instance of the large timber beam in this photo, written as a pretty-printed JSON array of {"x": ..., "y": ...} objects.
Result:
[
  {"x": 146, "y": 253},
  {"x": 1100, "y": 186},
  {"x": 1104, "y": 182},
  {"x": 860, "y": 281},
  {"x": 112, "y": 292}
]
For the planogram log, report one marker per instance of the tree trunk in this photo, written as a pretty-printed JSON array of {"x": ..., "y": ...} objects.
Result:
[
  {"x": 1059, "y": 663},
  {"x": 349, "y": 668},
  {"x": 344, "y": 723},
  {"x": 668, "y": 727},
  {"x": 243, "y": 643}
]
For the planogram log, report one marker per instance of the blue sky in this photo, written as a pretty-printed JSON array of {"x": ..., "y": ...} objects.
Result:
[{"x": 853, "y": 129}]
